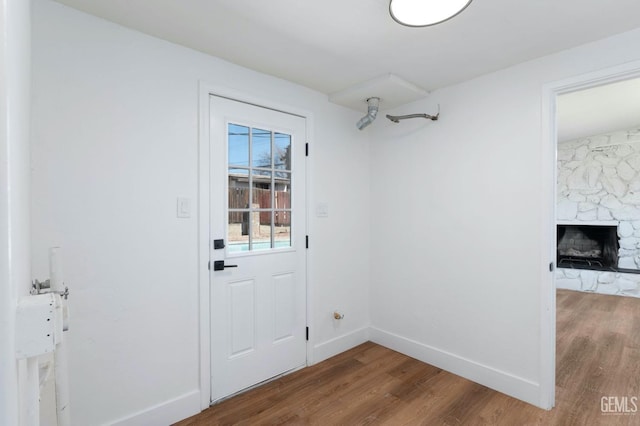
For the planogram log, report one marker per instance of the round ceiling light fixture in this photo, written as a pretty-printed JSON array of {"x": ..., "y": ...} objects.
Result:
[{"x": 423, "y": 13}]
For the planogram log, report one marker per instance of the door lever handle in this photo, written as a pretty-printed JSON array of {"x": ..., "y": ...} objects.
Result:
[{"x": 218, "y": 265}]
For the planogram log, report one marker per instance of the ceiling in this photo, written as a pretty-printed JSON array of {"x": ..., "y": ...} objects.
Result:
[
  {"x": 599, "y": 110},
  {"x": 332, "y": 45}
]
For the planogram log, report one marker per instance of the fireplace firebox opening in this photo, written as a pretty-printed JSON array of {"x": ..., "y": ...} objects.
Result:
[{"x": 588, "y": 247}]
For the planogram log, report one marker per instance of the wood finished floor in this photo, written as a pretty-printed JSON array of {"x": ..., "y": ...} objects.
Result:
[{"x": 598, "y": 354}]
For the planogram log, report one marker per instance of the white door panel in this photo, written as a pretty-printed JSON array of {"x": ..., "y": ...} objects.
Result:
[{"x": 258, "y": 302}]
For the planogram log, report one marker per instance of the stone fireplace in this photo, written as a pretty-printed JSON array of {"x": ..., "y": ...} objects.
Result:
[{"x": 598, "y": 213}]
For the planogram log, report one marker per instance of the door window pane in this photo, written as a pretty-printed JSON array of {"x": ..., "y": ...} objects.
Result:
[
  {"x": 282, "y": 196},
  {"x": 261, "y": 148},
  {"x": 238, "y": 231},
  {"x": 238, "y": 188},
  {"x": 261, "y": 237},
  {"x": 282, "y": 151},
  {"x": 282, "y": 229},
  {"x": 261, "y": 190},
  {"x": 238, "y": 145}
]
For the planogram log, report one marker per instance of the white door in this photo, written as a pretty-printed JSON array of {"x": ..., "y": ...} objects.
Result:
[{"x": 258, "y": 301}]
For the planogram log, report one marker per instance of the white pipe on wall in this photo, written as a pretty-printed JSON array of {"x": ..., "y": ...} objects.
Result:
[
  {"x": 15, "y": 83},
  {"x": 60, "y": 354},
  {"x": 31, "y": 409},
  {"x": 55, "y": 269},
  {"x": 62, "y": 385}
]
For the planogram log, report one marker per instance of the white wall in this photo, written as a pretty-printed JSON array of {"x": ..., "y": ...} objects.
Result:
[
  {"x": 115, "y": 141},
  {"x": 458, "y": 273},
  {"x": 14, "y": 194}
]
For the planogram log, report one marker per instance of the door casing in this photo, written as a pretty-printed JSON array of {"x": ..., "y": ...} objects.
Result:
[{"x": 549, "y": 145}]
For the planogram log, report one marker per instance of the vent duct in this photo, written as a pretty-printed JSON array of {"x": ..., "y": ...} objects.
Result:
[{"x": 372, "y": 111}]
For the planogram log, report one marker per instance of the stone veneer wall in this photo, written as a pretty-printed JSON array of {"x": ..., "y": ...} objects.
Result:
[{"x": 599, "y": 183}]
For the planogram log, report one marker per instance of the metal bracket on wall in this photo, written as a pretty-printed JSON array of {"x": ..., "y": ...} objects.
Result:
[
  {"x": 397, "y": 118},
  {"x": 42, "y": 287}
]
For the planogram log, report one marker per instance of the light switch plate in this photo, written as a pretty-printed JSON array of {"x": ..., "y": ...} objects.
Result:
[
  {"x": 322, "y": 209},
  {"x": 184, "y": 207}
]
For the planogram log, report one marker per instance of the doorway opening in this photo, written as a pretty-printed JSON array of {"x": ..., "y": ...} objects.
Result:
[{"x": 593, "y": 190}]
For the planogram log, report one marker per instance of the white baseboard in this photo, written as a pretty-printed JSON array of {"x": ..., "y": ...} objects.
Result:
[
  {"x": 501, "y": 381},
  {"x": 189, "y": 404},
  {"x": 165, "y": 413},
  {"x": 339, "y": 344}
]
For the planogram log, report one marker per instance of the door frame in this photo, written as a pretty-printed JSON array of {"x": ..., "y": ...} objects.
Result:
[
  {"x": 205, "y": 90},
  {"x": 549, "y": 145}
]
